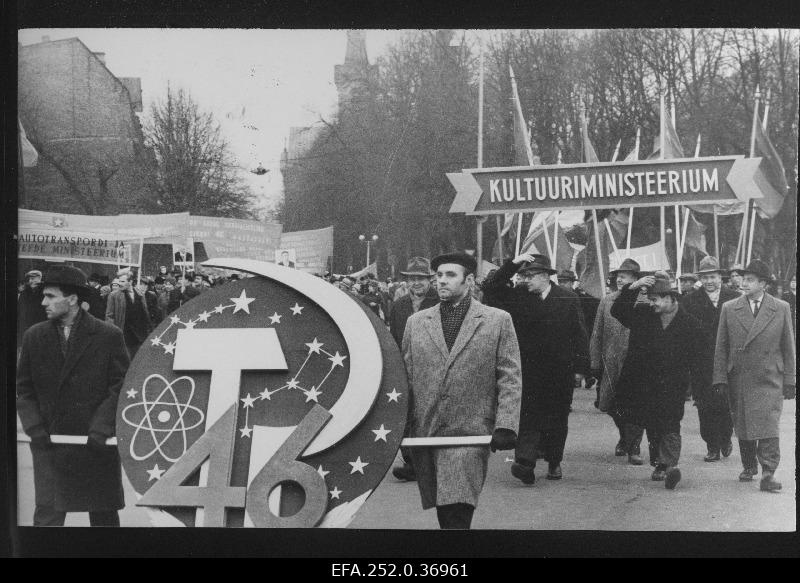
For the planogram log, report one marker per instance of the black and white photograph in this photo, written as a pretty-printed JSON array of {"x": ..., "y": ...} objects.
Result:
[{"x": 541, "y": 280}]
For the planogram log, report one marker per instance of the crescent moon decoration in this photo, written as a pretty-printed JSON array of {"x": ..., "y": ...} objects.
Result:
[{"x": 366, "y": 360}]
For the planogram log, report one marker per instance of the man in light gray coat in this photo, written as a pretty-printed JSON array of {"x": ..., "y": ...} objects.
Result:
[
  {"x": 754, "y": 363},
  {"x": 463, "y": 365}
]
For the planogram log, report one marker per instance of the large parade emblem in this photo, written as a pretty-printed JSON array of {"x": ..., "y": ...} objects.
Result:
[{"x": 274, "y": 401}]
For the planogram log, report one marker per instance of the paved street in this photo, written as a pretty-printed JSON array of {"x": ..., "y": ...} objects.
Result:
[{"x": 598, "y": 492}]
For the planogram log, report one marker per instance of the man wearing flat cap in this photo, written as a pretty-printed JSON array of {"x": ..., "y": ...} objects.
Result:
[
  {"x": 608, "y": 347},
  {"x": 705, "y": 304},
  {"x": 555, "y": 357},
  {"x": 29, "y": 304},
  {"x": 420, "y": 296},
  {"x": 664, "y": 356},
  {"x": 462, "y": 360},
  {"x": 754, "y": 363},
  {"x": 70, "y": 372},
  {"x": 687, "y": 282}
]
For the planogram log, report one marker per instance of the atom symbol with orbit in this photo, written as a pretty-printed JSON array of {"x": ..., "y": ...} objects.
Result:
[{"x": 166, "y": 423}]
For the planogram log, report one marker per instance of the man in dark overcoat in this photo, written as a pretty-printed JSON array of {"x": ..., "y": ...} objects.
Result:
[
  {"x": 754, "y": 363},
  {"x": 127, "y": 309},
  {"x": 589, "y": 304},
  {"x": 664, "y": 355},
  {"x": 705, "y": 304},
  {"x": 420, "y": 296},
  {"x": 69, "y": 376},
  {"x": 554, "y": 350}
]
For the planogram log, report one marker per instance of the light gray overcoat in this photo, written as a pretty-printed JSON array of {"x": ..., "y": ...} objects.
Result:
[
  {"x": 469, "y": 390},
  {"x": 756, "y": 358},
  {"x": 608, "y": 348}
]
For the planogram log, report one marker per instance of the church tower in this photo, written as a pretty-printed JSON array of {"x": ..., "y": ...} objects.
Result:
[{"x": 352, "y": 76}]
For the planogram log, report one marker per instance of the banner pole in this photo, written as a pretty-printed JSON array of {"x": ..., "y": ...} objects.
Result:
[
  {"x": 519, "y": 233},
  {"x": 599, "y": 254},
  {"x": 630, "y": 231},
  {"x": 716, "y": 235},
  {"x": 555, "y": 240}
]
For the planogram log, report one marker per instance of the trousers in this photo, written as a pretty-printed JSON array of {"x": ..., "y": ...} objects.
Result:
[
  {"x": 669, "y": 446},
  {"x": 48, "y": 516},
  {"x": 716, "y": 427},
  {"x": 550, "y": 441},
  {"x": 765, "y": 451},
  {"x": 632, "y": 435},
  {"x": 455, "y": 516}
]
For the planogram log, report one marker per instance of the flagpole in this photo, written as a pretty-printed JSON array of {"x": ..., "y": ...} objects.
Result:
[
  {"x": 599, "y": 254},
  {"x": 662, "y": 212},
  {"x": 480, "y": 220},
  {"x": 519, "y": 233},
  {"x": 630, "y": 214},
  {"x": 716, "y": 234},
  {"x": 555, "y": 240},
  {"x": 766, "y": 110},
  {"x": 678, "y": 238},
  {"x": 751, "y": 207},
  {"x": 616, "y": 151}
]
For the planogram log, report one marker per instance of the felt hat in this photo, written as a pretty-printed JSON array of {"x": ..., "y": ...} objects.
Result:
[
  {"x": 709, "y": 264},
  {"x": 759, "y": 269},
  {"x": 627, "y": 265},
  {"x": 688, "y": 276},
  {"x": 539, "y": 263},
  {"x": 418, "y": 266},
  {"x": 65, "y": 275},
  {"x": 566, "y": 275},
  {"x": 661, "y": 286},
  {"x": 459, "y": 258}
]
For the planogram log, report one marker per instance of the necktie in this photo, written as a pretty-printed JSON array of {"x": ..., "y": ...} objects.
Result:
[{"x": 755, "y": 308}]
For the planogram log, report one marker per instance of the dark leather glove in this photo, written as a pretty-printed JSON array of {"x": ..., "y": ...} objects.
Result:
[
  {"x": 97, "y": 444},
  {"x": 503, "y": 439},
  {"x": 789, "y": 391},
  {"x": 40, "y": 439}
]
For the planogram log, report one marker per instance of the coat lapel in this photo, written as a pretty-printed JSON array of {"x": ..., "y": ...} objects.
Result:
[
  {"x": 433, "y": 324},
  {"x": 472, "y": 320},
  {"x": 765, "y": 315},
  {"x": 743, "y": 314},
  {"x": 78, "y": 343}
]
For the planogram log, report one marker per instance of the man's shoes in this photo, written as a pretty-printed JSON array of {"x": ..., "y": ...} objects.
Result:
[
  {"x": 554, "y": 472},
  {"x": 671, "y": 479},
  {"x": 747, "y": 474},
  {"x": 404, "y": 473},
  {"x": 769, "y": 484},
  {"x": 523, "y": 473},
  {"x": 619, "y": 450},
  {"x": 658, "y": 475},
  {"x": 727, "y": 449},
  {"x": 635, "y": 460},
  {"x": 712, "y": 456}
]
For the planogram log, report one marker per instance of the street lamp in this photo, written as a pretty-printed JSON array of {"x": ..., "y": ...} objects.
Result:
[{"x": 368, "y": 241}]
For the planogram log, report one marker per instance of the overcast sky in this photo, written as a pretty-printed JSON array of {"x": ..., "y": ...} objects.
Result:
[{"x": 281, "y": 78}]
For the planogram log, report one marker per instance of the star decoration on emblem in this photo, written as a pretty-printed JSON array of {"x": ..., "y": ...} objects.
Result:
[
  {"x": 380, "y": 434},
  {"x": 174, "y": 319},
  {"x": 248, "y": 401},
  {"x": 58, "y": 222},
  {"x": 219, "y": 309},
  {"x": 155, "y": 473},
  {"x": 242, "y": 303},
  {"x": 203, "y": 317},
  {"x": 358, "y": 466},
  {"x": 322, "y": 472},
  {"x": 296, "y": 309},
  {"x": 169, "y": 348},
  {"x": 131, "y": 393},
  {"x": 312, "y": 394},
  {"x": 245, "y": 431},
  {"x": 335, "y": 493},
  {"x": 266, "y": 394},
  {"x": 292, "y": 383},
  {"x": 393, "y": 396},
  {"x": 275, "y": 318},
  {"x": 189, "y": 325},
  {"x": 155, "y": 341},
  {"x": 337, "y": 359},
  {"x": 315, "y": 346}
]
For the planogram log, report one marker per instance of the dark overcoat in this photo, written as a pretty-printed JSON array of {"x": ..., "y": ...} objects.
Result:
[
  {"x": 468, "y": 390},
  {"x": 608, "y": 347},
  {"x": 553, "y": 345},
  {"x": 698, "y": 304},
  {"x": 660, "y": 364},
  {"x": 402, "y": 310},
  {"x": 30, "y": 310},
  {"x": 73, "y": 395},
  {"x": 755, "y": 356}
]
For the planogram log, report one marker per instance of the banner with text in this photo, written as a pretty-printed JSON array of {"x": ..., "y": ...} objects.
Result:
[
  {"x": 650, "y": 258},
  {"x": 62, "y": 246},
  {"x": 238, "y": 238},
  {"x": 615, "y": 184}
]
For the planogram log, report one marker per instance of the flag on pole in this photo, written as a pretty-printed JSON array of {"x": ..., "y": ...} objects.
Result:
[
  {"x": 634, "y": 154},
  {"x": 774, "y": 172},
  {"x": 589, "y": 154},
  {"x": 536, "y": 242},
  {"x": 672, "y": 144},
  {"x": 29, "y": 154}
]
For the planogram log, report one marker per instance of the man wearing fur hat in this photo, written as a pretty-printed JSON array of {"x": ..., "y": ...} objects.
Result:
[
  {"x": 462, "y": 360},
  {"x": 70, "y": 372},
  {"x": 754, "y": 363},
  {"x": 664, "y": 355},
  {"x": 554, "y": 350},
  {"x": 420, "y": 297},
  {"x": 705, "y": 304}
]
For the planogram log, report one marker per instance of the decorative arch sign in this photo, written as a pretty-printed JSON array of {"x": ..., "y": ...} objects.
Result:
[
  {"x": 686, "y": 181},
  {"x": 272, "y": 401}
]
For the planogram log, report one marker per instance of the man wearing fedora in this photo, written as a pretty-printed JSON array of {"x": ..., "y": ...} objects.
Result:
[
  {"x": 462, "y": 360},
  {"x": 69, "y": 376},
  {"x": 705, "y": 304},
  {"x": 420, "y": 297},
  {"x": 607, "y": 348},
  {"x": 664, "y": 354},
  {"x": 754, "y": 363},
  {"x": 555, "y": 357}
]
